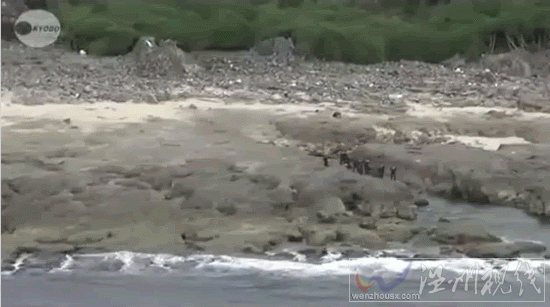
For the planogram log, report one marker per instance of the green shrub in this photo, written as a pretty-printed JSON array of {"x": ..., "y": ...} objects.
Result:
[
  {"x": 114, "y": 42},
  {"x": 284, "y": 4},
  {"x": 334, "y": 46},
  {"x": 231, "y": 31}
]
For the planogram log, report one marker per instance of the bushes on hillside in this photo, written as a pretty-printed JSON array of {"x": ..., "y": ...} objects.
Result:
[{"x": 428, "y": 31}]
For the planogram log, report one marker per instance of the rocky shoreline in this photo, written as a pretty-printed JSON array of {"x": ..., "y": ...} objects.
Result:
[{"x": 226, "y": 176}]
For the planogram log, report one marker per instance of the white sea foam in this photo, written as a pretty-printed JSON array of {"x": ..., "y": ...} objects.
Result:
[{"x": 332, "y": 264}]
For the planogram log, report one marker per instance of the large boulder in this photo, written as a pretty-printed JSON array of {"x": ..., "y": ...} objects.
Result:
[
  {"x": 280, "y": 46},
  {"x": 463, "y": 233},
  {"x": 503, "y": 249},
  {"x": 351, "y": 188},
  {"x": 149, "y": 59},
  {"x": 355, "y": 235}
]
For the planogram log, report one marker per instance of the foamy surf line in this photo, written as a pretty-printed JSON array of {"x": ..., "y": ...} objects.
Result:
[{"x": 130, "y": 263}]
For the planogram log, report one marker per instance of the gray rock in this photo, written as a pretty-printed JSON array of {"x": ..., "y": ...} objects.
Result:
[
  {"x": 252, "y": 249},
  {"x": 269, "y": 181},
  {"x": 158, "y": 180},
  {"x": 368, "y": 223},
  {"x": 503, "y": 249},
  {"x": 326, "y": 218},
  {"x": 179, "y": 190},
  {"x": 384, "y": 210},
  {"x": 198, "y": 201},
  {"x": 355, "y": 235},
  {"x": 109, "y": 169},
  {"x": 407, "y": 213},
  {"x": 421, "y": 202},
  {"x": 48, "y": 185},
  {"x": 87, "y": 237},
  {"x": 462, "y": 233},
  {"x": 274, "y": 46},
  {"x": 226, "y": 207},
  {"x": 131, "y": 183},
  {"x": 396, "y": 233},
  {"x": 321, "y": 238},
  {"x": 331, "y": 205}
]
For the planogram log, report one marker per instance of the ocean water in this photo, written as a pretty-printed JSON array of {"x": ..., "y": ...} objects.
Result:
[{"x": 133, "y": 279}]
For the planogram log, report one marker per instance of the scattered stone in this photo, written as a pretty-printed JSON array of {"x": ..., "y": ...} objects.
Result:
[
  {"x": 269, "y": 181},
  {"x": 87, "y": 237},
  {"x": 462, "y": 233},
  {"x": 295, "y": 236},
  {"x": 325, "y": 218},
  {"x": 368, "y": 223},
  {"x": 131, "y": 183},
  {"x": 421, "y": 202},
  {"x": 227, "y": 208},
  {"x": 353, "y": 234},
  {"x": 395, "y": 233},
  {"x": 503, "y": 249},
  {"x": 179, "y": 190},
  {"x": 252, "y": 249},
  {"x": 197, "y": 201},
  {"x": 407, "y": 213}
]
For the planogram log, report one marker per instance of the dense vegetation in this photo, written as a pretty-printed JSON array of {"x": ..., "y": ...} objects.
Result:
[{"x": 353, "y": 30}]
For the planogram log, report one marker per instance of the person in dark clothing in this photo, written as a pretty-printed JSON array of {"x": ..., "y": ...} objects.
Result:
[
  {"x": 325, "y": 161},
  {"x": 393, "y": 173},
  {"x": 366, "y": 167},
  {"x": 344, "y": 158},
  {"x": 381, "y": 171},
  {"x": 349, "y": 165},
  {"x": 360, "y": 168}
]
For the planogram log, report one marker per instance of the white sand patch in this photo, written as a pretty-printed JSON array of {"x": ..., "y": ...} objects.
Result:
[
  {"x": 443, "y": 113},
  {"x": 89, "y": 117},
  {"x": 486, "y": 143},
  {"x": 383, "y": 132}
]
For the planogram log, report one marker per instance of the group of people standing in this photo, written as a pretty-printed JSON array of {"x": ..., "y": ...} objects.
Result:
[{"x": 362, "y": 167}]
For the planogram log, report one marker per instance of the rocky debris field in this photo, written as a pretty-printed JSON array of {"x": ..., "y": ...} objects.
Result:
[
  {"x": 56, "y": 75},
  {"x": 222, "y": 154}
]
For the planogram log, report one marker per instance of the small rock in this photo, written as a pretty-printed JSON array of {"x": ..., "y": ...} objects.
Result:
[
  {"x": 252, "y": 249},
  {"x": 325, "y": 218},
  {"x": 421, "y": 202},
  {"x": 226, "y": 208},
  {"x": 321, "y": 238},
  {"x": 192, "y": 107},
  {"x": 337, "y": 115},
  {"x": 76, "y": 190},
  {"x": 443, "y": 220},
  {"x": 150, "y": 98},
  {"x": 132, "y": 183},
  {"x": 84, "y": 237},
  {"x": 295, "y": 236},
  {"x": 368, "y": 223},
  {"x": 179, "y": 190},
  {"x": 331, "y": 205},
  {"x": 431, "y": 230},
  {"x": 462, "y": 233},
  {"x": 407, "y": 213},
  {"x": 67, "y": 121}
]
